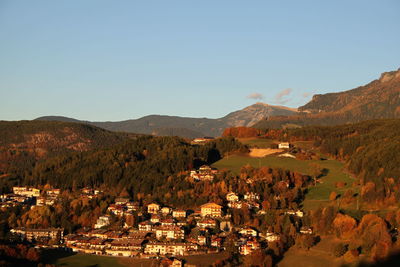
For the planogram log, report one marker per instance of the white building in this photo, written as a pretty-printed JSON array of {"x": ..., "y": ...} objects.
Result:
[
  {"x": 169, "y": 232},
  {"x": 145, "y": 226},
  {"x": 170, "y": 248},
  {"x": 153, "y": 208},
  {"x": 251, "y": 196},
  {"x": 26, "y": 191},
  {"x": 248, "y": 232},
  {"x": 306, "y": 230},
  {"x": 165, "y": 210},
  {"x": 271, "y": 237},
  {"x": 179, "y": 214},
  {"x": 284, "y": 145},
  {"x": 232, "y": 197},
  {"x": 297, "y": 213},
  {"x": 121, "y": 201},
  {"x": 102, "y": 221}
]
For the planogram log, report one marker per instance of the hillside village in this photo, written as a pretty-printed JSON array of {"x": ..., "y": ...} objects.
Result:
[
  {"x": 236, "y": 206},
  {"x": 153, "y": 229},
  {"x": 200, "y": 133}
]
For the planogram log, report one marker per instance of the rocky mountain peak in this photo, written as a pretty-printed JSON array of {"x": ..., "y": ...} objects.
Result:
[{"x": 391, "y": 75}]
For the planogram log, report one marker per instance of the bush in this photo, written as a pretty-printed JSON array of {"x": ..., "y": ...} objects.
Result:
[
  {"x": 340, "y": 184},
  {"x": 351, "y": 256},
  {"x": 340, "y": 249},
  {"x": 307, "y": 241}
]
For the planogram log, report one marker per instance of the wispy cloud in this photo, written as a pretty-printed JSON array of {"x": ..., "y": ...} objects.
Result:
[
  {"x": 306, "y": 95},
  {"x": 257, "y": 96},
  {"x": 281, "y": 97}
]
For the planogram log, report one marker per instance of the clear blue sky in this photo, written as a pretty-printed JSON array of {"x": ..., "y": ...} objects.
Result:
[{"x": 116, "y": 60}]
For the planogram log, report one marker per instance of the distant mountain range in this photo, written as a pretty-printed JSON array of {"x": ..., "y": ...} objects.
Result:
[
  {"x": 379, "y": 99},
  {"x": 187, "y": 127}
]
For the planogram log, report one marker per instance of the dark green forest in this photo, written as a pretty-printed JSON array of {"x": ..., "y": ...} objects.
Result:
[
  {"x": 140, "y": 165},
  {"x": 23, "y": 143}
]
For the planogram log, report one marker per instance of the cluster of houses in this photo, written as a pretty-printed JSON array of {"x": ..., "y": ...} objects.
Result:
[
  {"x": 250, "y": 200},
  {"x": 123, "y": 206},
  {"x": 24, "y": 195},
  {"x": 106, "y": 242},
  {"x": 204, "y": 173},
  {"x": 21, "y": 195},
  {"x": 47, "y": 235},
  {"x": 30, "y": 196},
  {"x": 49, "y": 198},
  {"x": 164, "y": 231},
  {"x": 158, "y": 230},
  {"x": 90, "y": 192}
]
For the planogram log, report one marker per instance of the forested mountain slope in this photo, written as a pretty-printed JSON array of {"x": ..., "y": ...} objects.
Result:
[
  {"x": 369, "y": 148},
  {"x": 24, "y": 142},
  {"x": 146, "y": 165}
]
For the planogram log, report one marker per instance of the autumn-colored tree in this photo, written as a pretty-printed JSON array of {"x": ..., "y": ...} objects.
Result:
[
  {"x": 351, "y": 256},
  {"x": 371, "y": 230},
  {"x": 340, "y": 184},
  {"x": 37, "y": 216},
  {"x": 241, "y": 132},
  {"x": 124, "y": 193},
  {"x": 130, "y": 220},
  {"x": 344, "y": 225},
  {"x": 298, "y": 179},
  {"x": 340, "y": 249},
  {"x": 275, "y": 134},
  {"x": 380, "y": 250},
  {"x": 266, "y": 205},
  {"x": 32, "y": 255},
  {"x": 348, "y": 196},
  {"x": 276, "y": 248},
  {"x": 322, "y": 219},
  {"x": 231, "y": 247},
  {"x": 333, "y": 195},
  {"x": 397, "y": 218},
  {"x": 368, "y": 192},
  {"x": 306, "y": 241},
  {"x": 258, "y": 259}
]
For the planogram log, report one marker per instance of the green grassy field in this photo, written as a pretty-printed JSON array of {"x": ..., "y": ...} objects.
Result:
[
  {"x": 317, "y": 195},
  {"x": 138, "y": 262},
  {"x": 235, "y": 162},
  {"x": 205, "y": 260},
  {"x": 319, "y": 255},
  {"x": 197, "y": 260},
  {"x": 66, "y": 259},
  {"x": 60, "y": 258}
]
